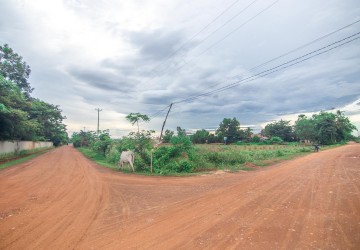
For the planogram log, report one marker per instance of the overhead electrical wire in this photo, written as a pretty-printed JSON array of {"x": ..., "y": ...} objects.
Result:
[
  {"x": 276, "y": 68},
  {"x": 159, "y": 112},
  {"x": 285, "y": 54},
  {"x": 214, "y": 44},
  {"x": 224, "y": 24},
  {"x": 283, "y": 66},
  {"x": 218, "y": 41},
  {"x": 303, "y": 46},
  {"x": 193, "y": 37},
  {"x": 227, "y": 35}
]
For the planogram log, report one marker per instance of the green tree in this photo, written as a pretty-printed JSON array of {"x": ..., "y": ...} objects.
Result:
[
  {"x": 344, "y": 127},
  {"x": 229, "y": 128},
  {"x": 281, "y": 129},
  {"x": 14, "y": 118},
  {"x": 168, "y": 135},
  {"x": 83, "y": 139},
  {"x": 50, "y": 119},
  {"x": 180, "y": 131},
  {"x": 13, "y": 68},
  {"x": 102, "y": 142},
  {"x": 23, "y": 117},
  {"x": 255, "y": 139},
  {"x": 246, "y": 134},
  {"x": 141, "y": 141},
  {"x": 325, "y": 126},
  {"x": 200, "y": 136},
  {"x": 136, "y": 117},
  {"x": 213, "y": 138},
  {"x": 304, "y": 128}
]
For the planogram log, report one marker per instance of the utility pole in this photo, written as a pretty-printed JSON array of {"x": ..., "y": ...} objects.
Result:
[
  {"x": 98, "y": 110},
  {"x": 165, "y": 122}
]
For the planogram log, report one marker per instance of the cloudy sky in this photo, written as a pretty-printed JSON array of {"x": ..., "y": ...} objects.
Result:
[{"x": 256, "y": 60}]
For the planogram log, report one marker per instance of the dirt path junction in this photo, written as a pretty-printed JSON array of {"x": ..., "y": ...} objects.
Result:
[{"x": 61, "y": 200}]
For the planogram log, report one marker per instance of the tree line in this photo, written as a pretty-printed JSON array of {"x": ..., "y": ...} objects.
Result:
[
  {"x": 180, "y": 155},
  {"x": 23, "y": 117},
  {"x": 324, "y": 128}
]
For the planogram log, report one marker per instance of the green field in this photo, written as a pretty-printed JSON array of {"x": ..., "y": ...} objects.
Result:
[
  {"x": 244, "y": 157},
  {"x": 209, "y": 157}
]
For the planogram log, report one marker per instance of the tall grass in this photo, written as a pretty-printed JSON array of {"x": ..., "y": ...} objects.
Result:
[
  {"x": 205, "y": 157},
  {"x": 97, "y": 157},
  {"x": 235, "y": 157}
]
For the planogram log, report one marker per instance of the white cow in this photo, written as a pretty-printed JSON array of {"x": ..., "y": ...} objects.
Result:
[{"x": 127, "y": 157}]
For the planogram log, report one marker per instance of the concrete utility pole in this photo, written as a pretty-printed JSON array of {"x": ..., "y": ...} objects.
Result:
[
  {"x": 98, "y": 110},
  {"x": 165, "y": 122}
]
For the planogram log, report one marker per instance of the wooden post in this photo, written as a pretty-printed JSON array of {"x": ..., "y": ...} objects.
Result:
[{"x": 151, "y": 156}]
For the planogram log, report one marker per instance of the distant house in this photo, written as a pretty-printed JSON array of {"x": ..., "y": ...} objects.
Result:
[{"x": 261, "y": 137}]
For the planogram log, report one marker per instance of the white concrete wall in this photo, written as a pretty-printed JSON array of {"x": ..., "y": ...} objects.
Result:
[{"x": 17, "y": 146}]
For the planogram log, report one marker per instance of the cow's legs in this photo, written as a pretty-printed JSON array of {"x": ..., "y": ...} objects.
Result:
[
  {"x": 121, "y": 165},
  {"x": 132, "y": 166}
]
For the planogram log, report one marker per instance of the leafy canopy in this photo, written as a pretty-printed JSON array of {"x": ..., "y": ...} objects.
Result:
[
  {"x": 136, "y": 117},
  {"x": 21, "y": 116}
]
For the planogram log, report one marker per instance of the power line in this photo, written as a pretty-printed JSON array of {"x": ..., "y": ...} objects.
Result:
[
  {"x": 288, "y": 53},
  {"x": 303, "y": 46},
  {"x": 277, "y": 68},
  {"x": 229, "y": 34},
  {"x": 228, "y": 21},
  {"x": 159, "y": 112},
  {"x": 274, "y": 69},
  {"x": 193, "y": 37},
  {"x": 216, "y": 43}
]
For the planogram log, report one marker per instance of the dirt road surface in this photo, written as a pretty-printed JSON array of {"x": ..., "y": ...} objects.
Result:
[{"x": 61, "y": 200}]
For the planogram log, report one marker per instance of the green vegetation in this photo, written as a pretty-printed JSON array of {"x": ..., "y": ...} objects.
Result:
[
  {"x": 236, "y": 157},
  {"x": 10, "y": 159},
  {"x": 23, "y": 117},
  {"x": 181, "y": 156},
  {"x": 97, "y": 157},
  {"x": 325, "y": 128}
]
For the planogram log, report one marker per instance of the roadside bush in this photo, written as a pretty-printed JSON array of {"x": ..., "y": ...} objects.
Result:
[
  {"x": 141, "y": 164},
  {"x": 176, "y": 158},
  {"x": 181, "y": 143},
  {"x": 113, "y": 156},
  {"x": 275, "y": 140},
  {"x": 183, "y": 166}
]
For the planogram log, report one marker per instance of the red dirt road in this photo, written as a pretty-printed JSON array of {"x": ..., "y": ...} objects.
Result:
[{"x": 61, "y": 200}]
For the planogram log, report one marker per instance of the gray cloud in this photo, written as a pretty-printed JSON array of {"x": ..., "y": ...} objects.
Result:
[
  {"x": 103, "y": 80},
  {"x": 128, "y": 72},
  {"x": 157, "y": 44}
]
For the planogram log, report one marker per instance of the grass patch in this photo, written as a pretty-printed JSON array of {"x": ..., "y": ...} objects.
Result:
[
  {"x": 205, "y": 158},
  {"x": 97, "y": 157},
  {"x": 239, "y": 157},
  {"x": 13, "y": 159}
]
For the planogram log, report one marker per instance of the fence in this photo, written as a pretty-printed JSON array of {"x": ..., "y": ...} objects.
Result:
[{"x": 17, "y": 146}]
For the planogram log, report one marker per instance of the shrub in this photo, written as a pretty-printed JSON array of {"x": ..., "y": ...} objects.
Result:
[
  {"x": 275, "y": 140},
  {"x": 182, "y": 143},
  {"x": 113, "y": 156}
]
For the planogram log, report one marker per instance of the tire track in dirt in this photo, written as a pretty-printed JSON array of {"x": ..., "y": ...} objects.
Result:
[
  {"x": 61, "y": 200},
  {"x": 66, "y": 203}
]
